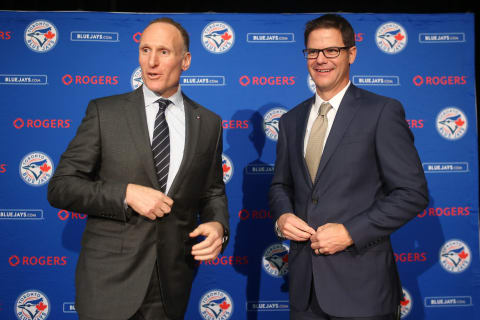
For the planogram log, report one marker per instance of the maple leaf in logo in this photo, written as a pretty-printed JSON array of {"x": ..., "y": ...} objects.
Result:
[
  {"x": 49, "y": 35},
  {"x": 404, "y": 302},
  {"x": 399, "y": 37},
  {"x": 463, "y": 255},
  {"x": 224, "y": 305},
  {"x": 459, "y": 122},
  {"x": 285, "y": 258},
  {"x": 225, "y": 168},
  {"x": 45, "y": 167},
  {"x": 226, "y": 36},
  {"x": 41, "y": 306}
]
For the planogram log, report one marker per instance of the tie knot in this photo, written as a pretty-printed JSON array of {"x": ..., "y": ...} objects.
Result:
[
  {"x": 324, "y": 108},
  {"x": 163, "y": 103}
]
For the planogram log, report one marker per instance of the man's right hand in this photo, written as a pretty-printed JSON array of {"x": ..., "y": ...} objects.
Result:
[
  {"x": 294, "y": 228},
  {"x": 148, "y": 202}
]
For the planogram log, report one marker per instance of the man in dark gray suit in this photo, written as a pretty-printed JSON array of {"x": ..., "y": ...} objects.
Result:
[
  {"x": 347, "y": 175},
  {"x": 145, "y": 166}
]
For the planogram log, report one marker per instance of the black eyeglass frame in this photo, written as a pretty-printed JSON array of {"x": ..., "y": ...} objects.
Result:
[{"x": 305, "y": 52}]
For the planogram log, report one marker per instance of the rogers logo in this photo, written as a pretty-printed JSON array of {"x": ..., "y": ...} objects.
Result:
[
  {"x": 415, "y": 123},
  {"x": 448, "y": 212},
  {"x": 19, "y": 123},
  {"x": 64, "y": 215},
  {"x": 439, "y": 80},
  {"x": 137, "y": 36},
  {"x": 5, "y": 35},
  {"x": 226, "y": 261},
  {"x": 92, "y": 80},
  {"x": 3, "y": 168},
  {"x": 245, "y": 214},
  {"x": 235, "y": 124},
  {"x": 264, "y": 81},
  {"x": 411, "y": 257},
  {"x": 15, "y": 260}
]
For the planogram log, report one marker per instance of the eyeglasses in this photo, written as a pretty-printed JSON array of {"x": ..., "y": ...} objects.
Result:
[{"x": 329, "y": 53}]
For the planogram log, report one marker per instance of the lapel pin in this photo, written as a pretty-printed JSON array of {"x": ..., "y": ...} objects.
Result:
[{"x": 197, "y": 117}]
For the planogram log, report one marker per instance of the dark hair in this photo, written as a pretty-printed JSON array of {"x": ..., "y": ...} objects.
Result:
[
  {"x": 183, "y": 32},
  {"x": 332, "y": 21}
]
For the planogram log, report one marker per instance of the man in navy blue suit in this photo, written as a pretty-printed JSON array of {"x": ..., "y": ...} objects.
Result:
[{"x": 347, "y": 175}]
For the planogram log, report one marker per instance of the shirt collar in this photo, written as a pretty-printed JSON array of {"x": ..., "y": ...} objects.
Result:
[
  {"x": 151, "y": 97},
  {"x": 334, "y": 102}
]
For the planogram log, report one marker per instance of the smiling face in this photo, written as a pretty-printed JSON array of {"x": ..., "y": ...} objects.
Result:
[
  {"x": 330, "y": 75},
  {"x": 162, "y": 58}
]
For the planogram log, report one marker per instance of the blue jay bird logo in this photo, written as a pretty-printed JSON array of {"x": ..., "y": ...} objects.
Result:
[
  {"x": 32, "y": 305},
  {"x": 391, "y": 37},
  {"x": 41, "y": 36},
  {"x": 275, "y": 260},
  {"x": 36, "y": 168},
  {"x": 216, "y": 304},
  {"x": 455, "y": 256},
  {"x": 218, "y": 37},
  {"x": 271, "y": 121},
  {"x": 451, "y": 123}
]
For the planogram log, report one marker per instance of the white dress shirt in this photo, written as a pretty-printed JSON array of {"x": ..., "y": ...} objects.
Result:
[
  {"x": 335, "y": 103},
  {"x": 175, "y": 116}
]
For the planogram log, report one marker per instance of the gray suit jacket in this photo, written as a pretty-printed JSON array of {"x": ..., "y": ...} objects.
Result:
[
  {"x": 371, "y": 180},
  {"x": 120, "y": 247}
]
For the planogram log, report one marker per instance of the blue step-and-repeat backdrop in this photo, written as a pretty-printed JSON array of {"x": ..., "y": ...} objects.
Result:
[{"x": 250, "y": 72}]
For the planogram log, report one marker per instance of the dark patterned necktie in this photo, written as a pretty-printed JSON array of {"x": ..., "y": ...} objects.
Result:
[{"x": 161, "y": 144}]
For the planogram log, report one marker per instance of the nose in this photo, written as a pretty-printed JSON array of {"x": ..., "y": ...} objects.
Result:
[
  {"x": 153, "y": 59},
  {"x": 321, "y": 58}
]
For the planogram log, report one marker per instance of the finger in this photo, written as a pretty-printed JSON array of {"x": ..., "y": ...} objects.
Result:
[
  {"x": 303, "y": 226},
  {"x": 299, "y": 233},
  {"x": 217, "y": 245},
  {"x": 207, "y": 256},
  {"x": 207, "y": 242},
  {"x": 167, "y": 200},
  {"x": 197, "y": 232}
]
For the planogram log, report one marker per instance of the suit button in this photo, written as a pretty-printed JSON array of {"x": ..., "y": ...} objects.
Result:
[{"x": 314, "y": 201}]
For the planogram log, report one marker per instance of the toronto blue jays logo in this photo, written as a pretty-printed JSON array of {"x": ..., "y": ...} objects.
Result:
[
  {"x": 136, "y": 79},
  {"x": 406, "y": 303},
  {"x": 451, "y": 123},
  {"x": 36, "y": 168},
  {"x": 216, "y": 305},
  {"x": 227, "y": 168},
  {"x": 391, "y": 37},
  {"x": 455, "y": 256},
  {"x": 275, "y": 260},
  {"x": 271, "y": 120},
  {"x": 41, "y": 36},
  {"x": 218, "y": 37},
  {"x": 32, "y": 305}
]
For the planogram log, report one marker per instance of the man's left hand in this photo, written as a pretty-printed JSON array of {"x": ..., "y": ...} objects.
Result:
[
  {"x": 211, "y": 246},
  {"x": 330, "y": 238}
]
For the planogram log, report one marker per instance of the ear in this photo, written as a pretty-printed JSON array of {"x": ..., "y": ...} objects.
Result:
[
  {"x": 187, "y": 59},
  {"x": 352, "y": 54}
]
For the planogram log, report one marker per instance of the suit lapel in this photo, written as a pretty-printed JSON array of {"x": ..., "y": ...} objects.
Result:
[
  {"x": 134, "y": 112},
  {"x": 192, "y": 132},
  {"x": 344, "y": 116},
  {"x": 301, "y": 130}
]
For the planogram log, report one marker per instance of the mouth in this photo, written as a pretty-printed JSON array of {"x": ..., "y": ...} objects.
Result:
[
  {"x": 153, "y": 76},
  {"x": 323, "y": 71}
]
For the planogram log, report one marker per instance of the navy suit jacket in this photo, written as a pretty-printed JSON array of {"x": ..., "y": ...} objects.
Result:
[{"x": 371, "y": 180}]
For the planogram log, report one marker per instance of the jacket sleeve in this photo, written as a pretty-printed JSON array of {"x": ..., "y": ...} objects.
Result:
[
  {"x": 404, "y": 188},
  {"x": 213, "y": 203},
  {"x": 75, "y": 185},
  {"x": 281, "y": 189}
]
